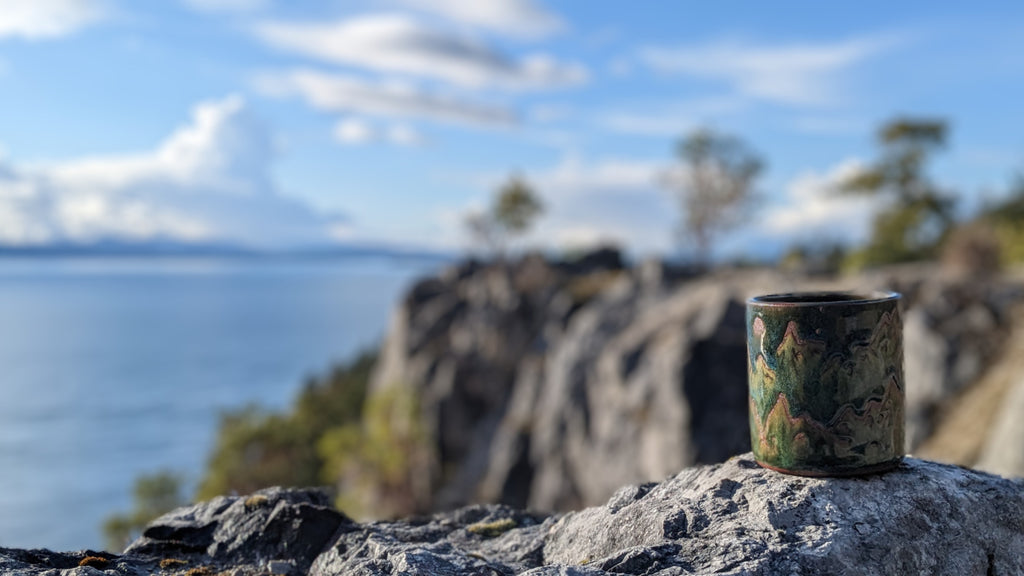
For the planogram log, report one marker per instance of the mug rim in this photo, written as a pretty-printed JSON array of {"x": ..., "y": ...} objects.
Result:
[{"x": 824, "y": 298}]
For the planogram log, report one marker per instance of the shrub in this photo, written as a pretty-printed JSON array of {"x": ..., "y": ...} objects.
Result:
[
  {"x": 380, "y": 463},
  {"x": 256, "y": 449}
]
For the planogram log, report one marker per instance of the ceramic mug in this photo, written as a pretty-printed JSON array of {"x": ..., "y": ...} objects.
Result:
[{"x": 826, "y": 382}]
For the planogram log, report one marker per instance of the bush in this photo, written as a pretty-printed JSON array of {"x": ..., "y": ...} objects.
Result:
[
  {"x": 380, "y": 462},
  {"x": 256, "y": 449}
]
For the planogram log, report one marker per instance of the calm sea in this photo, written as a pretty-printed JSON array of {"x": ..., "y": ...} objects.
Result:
[{"x": 111, "y": 368}]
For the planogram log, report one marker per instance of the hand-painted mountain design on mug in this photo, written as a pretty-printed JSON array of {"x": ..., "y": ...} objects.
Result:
[{"x": 826, "y": 386}]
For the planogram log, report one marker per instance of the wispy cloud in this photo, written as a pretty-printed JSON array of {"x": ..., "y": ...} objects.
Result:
[
  {"x": 349, "y": 94},
  {"x": 399, "y": 43},
  {"x": 831, "y": 125},
  {"x": 574, "y": 177},
  {"x": 800, "y": 74},
  {"x": 208, "y": 181},
  {"x": 226, "y": 5},
  {"x": 669, "y": 121},
  {"x": 37, "y": 19},
  {"x": 520, "y": 18},
  {"x": 611, "y": 200},
  {"x": 813, "y": 207},
  {"x": 356, "y": 131}
]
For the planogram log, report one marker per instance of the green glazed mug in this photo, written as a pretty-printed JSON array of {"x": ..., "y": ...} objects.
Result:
[{"x": 826, "y": 382}]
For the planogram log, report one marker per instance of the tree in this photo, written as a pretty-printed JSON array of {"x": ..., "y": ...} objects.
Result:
[
  {"x": 514, "y": 209},
  {"x": 714, "y": 184},
  {"x": 918, "y": 215}
]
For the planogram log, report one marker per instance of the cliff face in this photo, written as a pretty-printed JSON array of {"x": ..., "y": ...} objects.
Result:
[
  {"x": 733, "y": 518},
  {"x": 548, "y": 386}
]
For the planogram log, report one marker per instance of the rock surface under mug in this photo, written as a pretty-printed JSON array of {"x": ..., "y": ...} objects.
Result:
[{"x": 733, "y": 519}]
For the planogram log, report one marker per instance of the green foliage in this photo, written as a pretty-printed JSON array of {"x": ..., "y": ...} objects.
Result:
[
  {"x": 375, "y": 459},
  {"x": 153, "y": 495},
  {"x": 907, "y": 232},
  {"x": 1006, "y": 220},
  {"x": 715, "y": 185},
  {"x": 256, "y": 449},
  {"x": 514, "y": 209},
  {"x": 824, "y": 258},
  {"x": 1011, "y": 238},
  {"x": 918, "y": 216}
]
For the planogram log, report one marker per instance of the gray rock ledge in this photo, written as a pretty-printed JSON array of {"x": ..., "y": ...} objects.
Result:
[{"x": 730, "y": 518}]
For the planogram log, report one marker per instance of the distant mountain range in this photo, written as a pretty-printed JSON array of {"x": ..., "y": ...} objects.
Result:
[{"x": 167, "y": 248}]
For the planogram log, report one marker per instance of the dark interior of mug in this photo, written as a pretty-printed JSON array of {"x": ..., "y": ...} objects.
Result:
[{"x": 797, "y": 298}]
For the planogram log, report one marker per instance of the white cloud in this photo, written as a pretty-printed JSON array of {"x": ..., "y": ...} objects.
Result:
[
  {"x": 522, "y": 18},
  {"x": 669, "y": 121},
  {"x": 399, "y": 43},
  {"x": 226, "y": 5},
  {"x": 349, "y": 94},
  {"x": 791, "y": 74},
  {"x": 832, "y": 125},
  {"x": 355, "y": 131},
  {"x": 573, "y": 176},
  {"x": 403, "y": 135},
  {"x": 612, "y": 200},
  {"x": 592, "y": 202},
  {"x": 813, "y": 208},
  {"x": 208, "y": 181},
  {"x": 36, "y": 19}
]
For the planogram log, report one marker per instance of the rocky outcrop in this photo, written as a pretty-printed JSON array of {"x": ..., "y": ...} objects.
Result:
[
  {"x": 458, "y": 343},
  {"x": 732, "y": 518},
  {"x": 954, "y": 329},
  {"x": 546, "y": 385},
  {"x": 625, "y": 394}
]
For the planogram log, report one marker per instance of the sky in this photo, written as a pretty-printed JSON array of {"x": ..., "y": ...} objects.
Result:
[{"x": 278, "y": 124}]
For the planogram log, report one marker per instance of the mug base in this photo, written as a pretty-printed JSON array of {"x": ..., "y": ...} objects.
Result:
[{"x": 841, "y": 473}]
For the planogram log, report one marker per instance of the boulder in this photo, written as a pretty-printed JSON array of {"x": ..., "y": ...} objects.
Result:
[
  {"x": 733, "y": 518},
  {"x": 737, "y": 518},
  {"x": 457, "y": 344},
  {"x": 287, "y": 526},
  {"x": 625, "y": 394}
]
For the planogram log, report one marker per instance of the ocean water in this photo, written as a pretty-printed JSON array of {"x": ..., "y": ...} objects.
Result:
[{"x": 111, "y": 368}]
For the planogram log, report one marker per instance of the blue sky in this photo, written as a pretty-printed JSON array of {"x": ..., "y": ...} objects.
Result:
[{"x": 279, "y": 124}]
